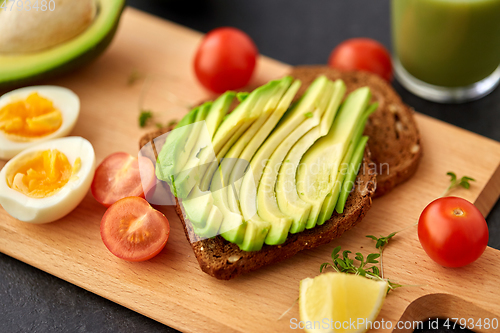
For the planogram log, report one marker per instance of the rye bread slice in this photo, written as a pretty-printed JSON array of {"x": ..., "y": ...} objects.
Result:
[
  {"x": 394, "y": 137},
  {"x": 224, "y": 260}
]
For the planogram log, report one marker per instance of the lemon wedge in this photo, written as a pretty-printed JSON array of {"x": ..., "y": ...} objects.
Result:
[{"x": 339, "y": 302}]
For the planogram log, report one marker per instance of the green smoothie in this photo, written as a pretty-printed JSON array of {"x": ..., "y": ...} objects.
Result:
[{"x": 449, "y": 43}]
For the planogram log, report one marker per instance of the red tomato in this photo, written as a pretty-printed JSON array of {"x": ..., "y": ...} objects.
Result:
[
  {"x": 132, "y": 230},
  {"x": 119, "y": 176},
  {"x": 453, "y": 232},
  {"x": 362, "y": 54},
  {"x": 225, "y": 59}
]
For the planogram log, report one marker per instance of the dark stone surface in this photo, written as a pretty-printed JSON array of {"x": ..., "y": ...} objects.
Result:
[
  {"x": 293, "y": 31},
  {"x": 34, "y": 301}
]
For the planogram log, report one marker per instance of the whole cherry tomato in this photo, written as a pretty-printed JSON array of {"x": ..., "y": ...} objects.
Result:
[
  {"x": 453, "y": 232},
  {"x": 362, "y": 54},
  {"x": 225, "y": 59}
]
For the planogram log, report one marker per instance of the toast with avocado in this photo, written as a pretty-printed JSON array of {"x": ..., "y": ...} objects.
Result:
[{"x": 280, "y": 175}]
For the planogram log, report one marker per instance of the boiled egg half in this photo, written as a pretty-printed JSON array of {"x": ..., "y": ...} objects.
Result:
[
  {"x": 45, "y": 182},
  {"x": 35, "y": 114}
]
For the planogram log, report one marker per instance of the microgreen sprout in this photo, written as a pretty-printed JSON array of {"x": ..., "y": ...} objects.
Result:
[
  {"x": 365, "y": 267},
  {"x": 381, "y": 243},
  {"x": 454, "y": 182},
  {"x": 144, "y": 117}
]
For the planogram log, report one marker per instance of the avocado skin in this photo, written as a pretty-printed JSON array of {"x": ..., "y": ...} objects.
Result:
[{"x": 70, "y": 66}]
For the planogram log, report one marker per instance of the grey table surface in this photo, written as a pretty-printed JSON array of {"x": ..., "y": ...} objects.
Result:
[{"x": 293, "y": 31}]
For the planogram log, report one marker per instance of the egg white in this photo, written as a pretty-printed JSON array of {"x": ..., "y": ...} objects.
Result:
[
  {"x": 64, "y": 100},
  {"x": 61, "y": 203}
]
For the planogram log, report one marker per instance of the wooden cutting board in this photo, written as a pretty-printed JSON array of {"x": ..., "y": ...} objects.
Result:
[{"x": 171, "y": 288}]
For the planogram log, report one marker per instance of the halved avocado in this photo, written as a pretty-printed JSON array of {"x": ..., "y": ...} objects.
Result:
[{"x": 24, "y": 69}]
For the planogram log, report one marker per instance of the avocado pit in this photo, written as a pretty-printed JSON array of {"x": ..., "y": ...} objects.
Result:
[{"x": 30, "y": 31}]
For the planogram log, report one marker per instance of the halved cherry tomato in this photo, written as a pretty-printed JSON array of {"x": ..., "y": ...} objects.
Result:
[
  {"x": 225, "y": 59},
  {"x": 118, "y": 176},
  {"x": 133, "y": 230},
  {"x": 453, "y": 232},
  {"x": 362, "y": 54}
]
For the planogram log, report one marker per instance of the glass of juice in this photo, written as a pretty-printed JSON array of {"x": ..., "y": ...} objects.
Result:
[{"x": 447, "y": 50}]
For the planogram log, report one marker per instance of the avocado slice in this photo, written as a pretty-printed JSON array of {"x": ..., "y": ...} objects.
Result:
[
  {"x": 212, "y": 120},
  {"x": 25, "y": 69},
  {"x": 229, "y": 130},
  {"x": 267, "y": 204},
  {"x": 188, "y": 118},
  {"x": 232, "y": 228},
  {"x": 212, "y": 226},
  {"x": 182, "y": 146},
  {"x": 198, "y": 139},
  {"x": 258, "y": 105},
  {"x": 197, "y": 207},
  {"x": 257, "y": 140},
  {"x": 189, "y": 143},
  {"x": 332, "y": 197},
  {"x": 203, "y": 111},
  {"x": 352, "y": 172},
  {"x": 167, "y": 164},
  {"x": 287, "y": 197},
  {"x": 230, "y": 220},
  {"x": 260, "y": 101},
  {"x": 210, "y": 169},
  {"x": 257, "y": 228},
  {"x": 255, "y": 234},
  {"x": 244, "y": 149},
  {"x": 218, "y": 111},
  {"x": 314, "y": 176},
  {"x": 245, "y": 112}
]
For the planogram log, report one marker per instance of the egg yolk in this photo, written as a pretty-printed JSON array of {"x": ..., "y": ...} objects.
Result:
[
  {"x": 31, "y": 118},
  {"x": 43, "y": 174}
]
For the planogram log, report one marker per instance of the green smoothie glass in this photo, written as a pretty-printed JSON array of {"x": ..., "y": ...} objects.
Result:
[{"x": 447, "y": 50}]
